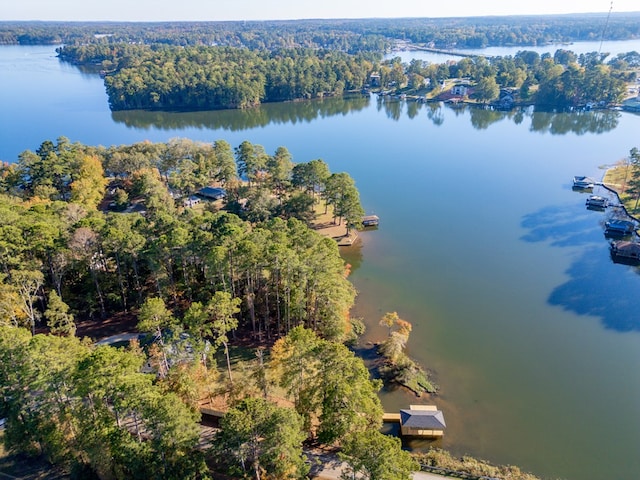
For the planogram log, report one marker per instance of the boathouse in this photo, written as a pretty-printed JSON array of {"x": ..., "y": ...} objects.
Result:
[
  {"x": 596, "y": 202},
  {"x": 422, "y": 421},
  {"x": 624, "y": 250},
  {"x": 618, "y": 227},
  {"x": 370, "y": 221},
  {"x": 583, "y": 183}
]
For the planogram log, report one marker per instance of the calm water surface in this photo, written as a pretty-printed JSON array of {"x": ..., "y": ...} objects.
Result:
[
  {"x": 532, "y": 332},
  {"x": 613, "y": 48}
]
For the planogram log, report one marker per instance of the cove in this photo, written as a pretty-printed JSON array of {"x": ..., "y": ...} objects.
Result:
[{"x": 531, "y": 330}]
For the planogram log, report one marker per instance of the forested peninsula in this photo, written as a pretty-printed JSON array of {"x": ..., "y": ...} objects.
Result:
[
  {"x": 202, "y": 78},
  {"x": 221, "y": 65},
  {"x": 90, "y": 235},
  {"x": 235, "y": 303},
  {"x": 348, "y": 35}
]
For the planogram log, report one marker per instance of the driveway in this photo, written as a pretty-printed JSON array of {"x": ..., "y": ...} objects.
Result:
[{"x": 120, "y": 338}]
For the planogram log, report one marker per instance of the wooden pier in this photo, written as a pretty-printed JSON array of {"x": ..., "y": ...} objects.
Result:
[{"x": 391, "y": 417}]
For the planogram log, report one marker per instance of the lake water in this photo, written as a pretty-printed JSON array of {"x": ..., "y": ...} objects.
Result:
[
  {"x": 532, "y": 332},
  {"x": 613, "y": 48}
]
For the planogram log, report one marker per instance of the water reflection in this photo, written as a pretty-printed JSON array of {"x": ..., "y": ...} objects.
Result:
[
  {"x": 435, "y": 113},
  {"x": 392, "y": 107},
  {"x": 353, "y": 255},
  {"x": 482, "y": 118},
  {"x": 600, "y": 121},
  {"x": 237, "y": 120},
  {"x": 596, "y": 285},
  {"x": 555, "y": 123}
]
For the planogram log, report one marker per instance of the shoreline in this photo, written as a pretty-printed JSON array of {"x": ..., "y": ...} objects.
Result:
[{"x": 615, "y": 189}]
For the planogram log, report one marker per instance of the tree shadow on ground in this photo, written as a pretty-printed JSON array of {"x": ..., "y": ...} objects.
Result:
[{"x": 596, "y": 285}]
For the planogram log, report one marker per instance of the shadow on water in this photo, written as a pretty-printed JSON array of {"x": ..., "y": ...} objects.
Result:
[
  {"x": 562, "y": 227},
  {"x": 596, "y": 286}
]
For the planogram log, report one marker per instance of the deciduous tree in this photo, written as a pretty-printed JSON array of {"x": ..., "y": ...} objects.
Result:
[{"x": 263, "y": 439}]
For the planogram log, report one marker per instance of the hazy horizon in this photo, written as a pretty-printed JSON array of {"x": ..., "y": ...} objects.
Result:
[{"x": 238, "y": 10}]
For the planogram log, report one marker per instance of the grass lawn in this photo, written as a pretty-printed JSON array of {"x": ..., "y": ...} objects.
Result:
[{"x": 618, "y": 178}]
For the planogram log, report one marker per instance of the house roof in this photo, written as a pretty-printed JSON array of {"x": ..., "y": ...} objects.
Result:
[
  {"x": 423, "y": 419},
  {"x": 617, "y": 224},
  {"x": 627, "y": 247},
  {"x": 213, "y": 192}
]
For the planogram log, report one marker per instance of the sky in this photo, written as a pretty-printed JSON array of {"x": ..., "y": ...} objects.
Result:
[{"x": 212, "y": 10}]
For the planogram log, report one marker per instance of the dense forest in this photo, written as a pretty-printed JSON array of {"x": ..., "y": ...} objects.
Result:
[
  {"x": 205, "y": 78},
  {"x": 89, "y": 233},
  {"x": 201, "y": 78},
  {"x": 63, "y": 228},
  {"x": 347, "y": 35},
  {"x": 218, "y": 65}
]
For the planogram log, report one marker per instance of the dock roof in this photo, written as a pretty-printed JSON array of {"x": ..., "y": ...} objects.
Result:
[{"x": 422, "y": 419}]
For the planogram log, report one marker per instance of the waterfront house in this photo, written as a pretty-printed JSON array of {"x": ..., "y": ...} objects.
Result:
[
  {"x": 460, "y": 90},
  {"x": 190, "y": 201},
  {"x": 212, "y": 193}
]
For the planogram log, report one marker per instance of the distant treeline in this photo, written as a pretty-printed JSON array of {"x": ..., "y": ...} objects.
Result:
[{"x": 351, "y": 36}]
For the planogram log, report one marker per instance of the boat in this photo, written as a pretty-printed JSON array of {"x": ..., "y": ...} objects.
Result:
[
  {"x": 617, "y": 227},
  {"x": 597, "y": 202},
  {"x": 582, "y": 183}
]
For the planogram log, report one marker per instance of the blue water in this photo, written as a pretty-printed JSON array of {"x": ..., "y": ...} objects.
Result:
[{"x": 613, "y": 48}]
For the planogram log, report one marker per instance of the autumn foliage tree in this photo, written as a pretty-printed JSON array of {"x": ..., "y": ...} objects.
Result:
[{"x": 398, "y": 367}]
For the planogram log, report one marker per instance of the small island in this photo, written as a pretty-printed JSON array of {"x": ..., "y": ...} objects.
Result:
[{"x": 396, "y": 367}]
